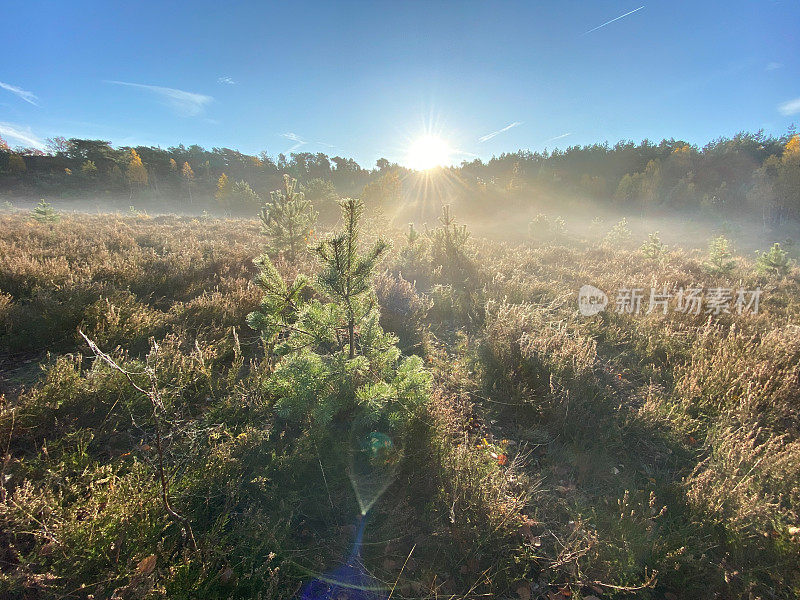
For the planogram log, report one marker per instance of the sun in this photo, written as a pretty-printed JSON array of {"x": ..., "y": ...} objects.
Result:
[{"x": 427, "y": 152}]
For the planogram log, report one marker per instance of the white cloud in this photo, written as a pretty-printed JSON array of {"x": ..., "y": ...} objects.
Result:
[
  {"x": 24, "y": 135},
  {"x": 29, "y": 97},
  {"x": 187, "y": 104},
  {"x": 489, "y": 136},
  {"x": 226, "y": 80},
  {"x": 773, "y": 66},
  {"x": 791, "y": 107}
]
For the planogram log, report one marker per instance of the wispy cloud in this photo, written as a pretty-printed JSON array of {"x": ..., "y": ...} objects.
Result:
[
  {"x": 298, "y": 141},
  {"x": 790, "y": 107},
  {"x": 29, "y": 97},
  {"x": 458, "y": 152},
  {"x": 489, "y": 136},
  {"x": 773, "y": 66},
  {"x": 558, "y": 137},
  {"x": 226, "y": 80},
  {"x": 614, "y": 19},
  {"x": 187, "y": 104},
  {"x": 21, "y": 134}
]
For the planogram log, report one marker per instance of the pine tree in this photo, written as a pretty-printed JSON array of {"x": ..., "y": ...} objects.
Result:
[
  {"x": 457, "y": 282},
  {"x": 281, "y": 305},
  {"x": 288, "y": 219},
  {"x": 774, "y": 262},
  {"x": 314, "y": 375},
  {"x": 243, "y": 197},
  {"x": 619, "y": 234},
  {"x": 448, "y": 241},
  {"x": 720, "y": 257},
  {"x": 44, "y": 213},
  {"x": 653, "y": 248},
  {"x": 346, "y": 274}
]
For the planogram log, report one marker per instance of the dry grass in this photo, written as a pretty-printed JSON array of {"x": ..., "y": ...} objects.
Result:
[{"x": 629, "y": 444}]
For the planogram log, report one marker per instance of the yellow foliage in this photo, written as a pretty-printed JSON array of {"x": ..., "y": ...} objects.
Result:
[
  {"x": 223, "y": 189},
  {"x": 186, "y": 172},
  {"x": 137, "y": 173},
  {"x": 792, "y": 146}
]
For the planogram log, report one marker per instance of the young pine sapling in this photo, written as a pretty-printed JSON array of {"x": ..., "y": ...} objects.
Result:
[
  {"x": 346, "y": 274},
  {"x": 288, "y": 220}
]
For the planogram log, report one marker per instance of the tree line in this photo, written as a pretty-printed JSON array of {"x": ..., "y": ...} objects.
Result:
[{"x": 749, "y": 173}]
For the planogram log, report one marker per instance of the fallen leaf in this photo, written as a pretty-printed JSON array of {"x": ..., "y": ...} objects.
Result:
[
  {"x": 524, "y": 591},
  {"x": 147, "y": 565}
]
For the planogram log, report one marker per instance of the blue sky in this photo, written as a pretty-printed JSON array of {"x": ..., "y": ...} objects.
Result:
[{"x": 364, "y": 79}]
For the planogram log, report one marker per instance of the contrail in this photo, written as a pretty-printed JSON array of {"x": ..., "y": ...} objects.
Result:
[
  {"x": 558, "y": 137},
  {"x": 29, "y": 97},
  {"x": 612, "y": 20},
  {"x": 489, "y": 136}
]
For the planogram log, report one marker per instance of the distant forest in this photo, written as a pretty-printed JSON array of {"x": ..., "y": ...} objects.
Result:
[{"x": 749, "y": 174}]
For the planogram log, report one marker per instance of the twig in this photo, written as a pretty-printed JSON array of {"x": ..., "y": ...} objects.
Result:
[
  {"x": 649, "y": 582},
  {"x": 401, "y": 572},
  {"x": 7, "y": 456},
  {"x": 158, "y": 405}
]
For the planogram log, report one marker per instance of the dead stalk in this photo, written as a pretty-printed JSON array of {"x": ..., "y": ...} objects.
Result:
[{"x": 154, "y": 396}]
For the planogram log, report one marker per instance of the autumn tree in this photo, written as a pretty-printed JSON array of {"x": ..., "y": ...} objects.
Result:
[
  {"x": 187, "y": 176},
  {"x": 136, "y": 173},
  {"x": 223, "y": 193},
  {"x": 288, "y": 219},
  {"x": 58, "y": 146}
]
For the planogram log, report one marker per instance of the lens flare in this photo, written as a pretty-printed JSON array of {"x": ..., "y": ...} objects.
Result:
[
  {"x": 351, "y": 580},
  {"x": 372, "y": 467}
]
